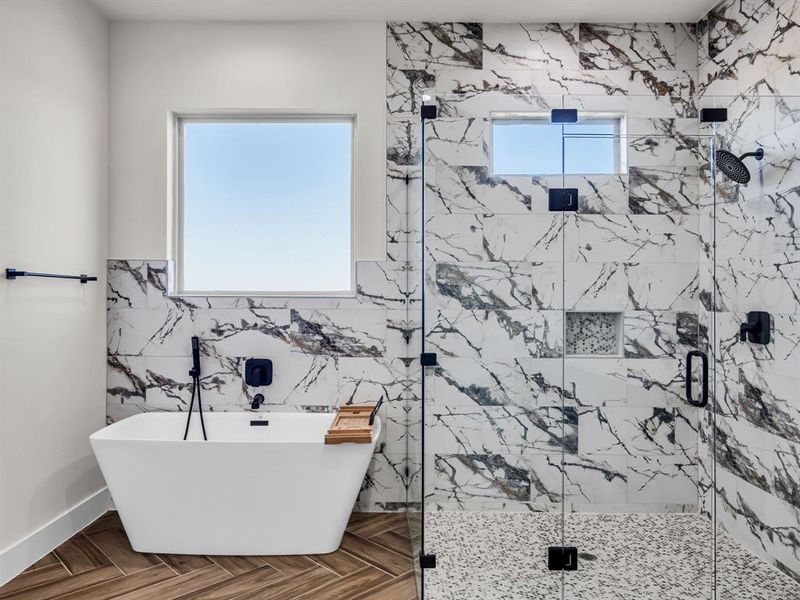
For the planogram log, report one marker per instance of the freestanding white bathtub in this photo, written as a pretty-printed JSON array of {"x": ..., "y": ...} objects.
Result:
[{"x": 250, "y": 489}]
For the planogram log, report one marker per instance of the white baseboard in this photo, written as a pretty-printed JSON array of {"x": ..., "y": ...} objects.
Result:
[{"x": 20, "y": 556}]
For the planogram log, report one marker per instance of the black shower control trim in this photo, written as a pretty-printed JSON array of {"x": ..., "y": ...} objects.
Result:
[
  {"x": 258, "y": 372},
  {"x": 564, "y": 115},
  {"x": 713, "y": 115},
  {"x": 428, "y": 111},
  {"x": 757, "y": 328}
]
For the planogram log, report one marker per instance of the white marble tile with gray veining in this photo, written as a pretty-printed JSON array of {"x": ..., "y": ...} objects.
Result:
[
  {"x": 434, "y": 46},
  {"x": 474, "y": 190},
  {"x": 636, "y": 46},
  {"x": 456, "y": 142},
  {"x": 530, "y": 45}
]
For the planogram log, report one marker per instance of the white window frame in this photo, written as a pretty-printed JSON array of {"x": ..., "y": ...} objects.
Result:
[
  {"x": 618, "y": 119},
  {"x": 176, "y": 282}
]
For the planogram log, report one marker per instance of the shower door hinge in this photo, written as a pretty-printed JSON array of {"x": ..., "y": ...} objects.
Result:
[
  {"x": 428, "y": 359},
  {"x": 427, "y": 561},
  {"x": 564, "y": 115},
  {"x": 713, "y": 115},
  {"x": 562, "y": 199},
  {"x": 428, "y": 111},
  {"x": 562, "y": 558}
]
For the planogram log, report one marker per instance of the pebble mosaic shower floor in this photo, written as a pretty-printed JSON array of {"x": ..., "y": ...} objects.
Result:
[{"x": 644, "y": 556}]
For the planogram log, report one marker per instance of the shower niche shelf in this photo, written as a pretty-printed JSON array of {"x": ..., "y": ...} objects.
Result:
[{"x": 593, "y": 334}]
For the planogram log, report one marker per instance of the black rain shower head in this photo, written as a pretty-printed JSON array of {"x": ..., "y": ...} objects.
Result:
[{"x": 733, "y": 166}]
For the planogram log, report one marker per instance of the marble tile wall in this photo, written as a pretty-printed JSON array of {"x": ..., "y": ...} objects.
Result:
[
  {"x": 493, "y": 266},
  {"x": 325, "y": 352},
  {"x": 750, "y": 63}
]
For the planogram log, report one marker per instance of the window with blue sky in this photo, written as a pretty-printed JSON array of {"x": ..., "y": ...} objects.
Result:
[
  {"x": 266, "y": 206},
  {"x": 534, "y": 146}
]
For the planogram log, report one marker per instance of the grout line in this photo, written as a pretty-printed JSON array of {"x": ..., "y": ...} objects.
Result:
[
  {"x": 163, "y": 562},
  {"x": 308, "y": 556},
  {"x": 61, "y": 562},
  {"x": 29, "y": 570},
  {"x": 389, "y": 548},
  {"x": 282, "y": 580},
  {"x": 370, "y": 541},
  {"x": 162, "y": 582},
  {"x": 304, "y": 594},
  {"x": 88, "y": 539},
  {"x": 211, "y": 558},
  {"x": 381, "y": 568},
  {"x": 383, "y": 586},
  {"x": 106, "y": 581},
  {"x": 389, "y": 527}
]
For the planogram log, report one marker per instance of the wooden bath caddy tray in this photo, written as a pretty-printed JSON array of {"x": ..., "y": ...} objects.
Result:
[{"x": 353, "y": 424}]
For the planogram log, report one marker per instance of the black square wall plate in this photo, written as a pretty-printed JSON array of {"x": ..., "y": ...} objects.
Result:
[{"x": 258, "y": 372}]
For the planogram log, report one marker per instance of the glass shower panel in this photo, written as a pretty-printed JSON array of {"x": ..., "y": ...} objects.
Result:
[
  {"x": 632, "y": 318},
  {"x": 756, "y": 446},
  {"x": 404, "y": 194},
  {"x": 493, "y": 417}
]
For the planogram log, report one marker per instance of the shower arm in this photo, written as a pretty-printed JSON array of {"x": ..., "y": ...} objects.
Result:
[{"x": 758, "y": 154}]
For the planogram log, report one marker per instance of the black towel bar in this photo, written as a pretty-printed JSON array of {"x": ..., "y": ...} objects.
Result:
[{"x": 14, "y": 273}]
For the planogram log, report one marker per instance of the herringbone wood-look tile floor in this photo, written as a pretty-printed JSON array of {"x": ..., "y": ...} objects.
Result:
[{"x": 373, "y": 563}]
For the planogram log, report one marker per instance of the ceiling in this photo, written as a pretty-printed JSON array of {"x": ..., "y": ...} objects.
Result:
[{"x": 498, "y": 11}]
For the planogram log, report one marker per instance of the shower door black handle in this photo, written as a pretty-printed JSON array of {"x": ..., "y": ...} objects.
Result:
[{"x": 704, "y": 397}]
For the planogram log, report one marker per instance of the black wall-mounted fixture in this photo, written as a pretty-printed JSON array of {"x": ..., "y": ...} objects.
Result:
[
  {"x": 375, "y": 411},
  {"x": 428, "y": 111},
  {"x": 564, "y": 115},
  {"x": 258, "y": 400},
  {"x": 195, "y": 370},
  {"x": 757, "y": 328},
  {"x": 194, "y": 373},
  {"x": 562, "y": 199},
  {"x": 428, "y": 359},
  {"x": 733, "y": 166},
  {"x": 15, "y": 273},
  {"x": 562, "y": 558},
  {"x": 258, "y": 372},
  {"x": 713, "y": 115},
  {"x": 427, "y": 561}
]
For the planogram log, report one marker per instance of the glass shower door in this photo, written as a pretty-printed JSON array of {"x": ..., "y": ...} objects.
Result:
[
  {"x": 492, "y": 406},
  {"x": 636, "y": 482}
]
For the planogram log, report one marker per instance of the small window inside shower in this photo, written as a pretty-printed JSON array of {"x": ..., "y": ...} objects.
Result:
[
  {"x": 264, "y": 205},
  {"x": 529, "y": 144}
]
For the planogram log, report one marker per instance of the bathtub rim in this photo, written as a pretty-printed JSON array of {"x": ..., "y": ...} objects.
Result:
[{"x": 102, "y": 434}]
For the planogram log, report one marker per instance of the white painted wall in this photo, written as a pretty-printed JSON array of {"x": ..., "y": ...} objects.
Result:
[
  {"x": 53, "y": 217},
  {"x": 161, "y": 67}
]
